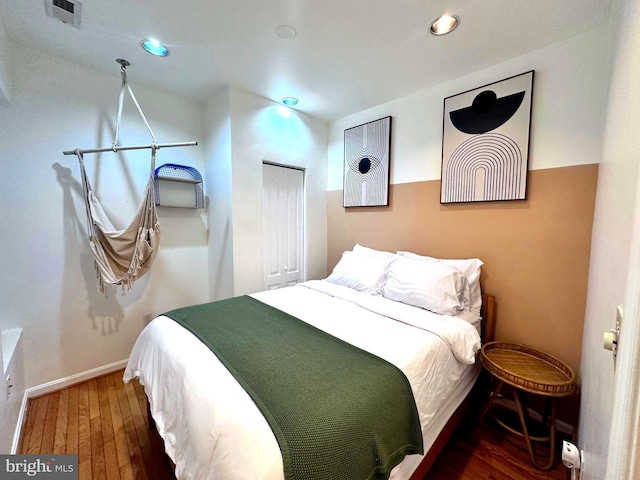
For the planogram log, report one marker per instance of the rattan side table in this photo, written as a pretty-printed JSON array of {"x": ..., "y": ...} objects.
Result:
[{"x": 529, "y": 370}]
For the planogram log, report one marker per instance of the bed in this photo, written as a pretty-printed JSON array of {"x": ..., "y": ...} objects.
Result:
[{"x": 211, "y": 426}]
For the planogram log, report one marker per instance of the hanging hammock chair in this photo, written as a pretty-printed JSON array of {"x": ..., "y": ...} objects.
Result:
[{"x": 122, "y": 256}]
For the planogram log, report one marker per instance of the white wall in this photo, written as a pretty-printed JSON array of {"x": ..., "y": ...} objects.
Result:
[
  {"x": 11, "y": 385},
  {"x": 5, "y": 67},
  {"x": 48, "y": 284},
  {"x": 611, "y": 241},
  {"x": 567, "y": 114},
  {"x": 218, "y": 178},
  {"x": 259, "y": 133}
]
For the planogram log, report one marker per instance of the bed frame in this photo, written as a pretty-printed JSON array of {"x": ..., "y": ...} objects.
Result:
[{"x": 488, "y": 332}]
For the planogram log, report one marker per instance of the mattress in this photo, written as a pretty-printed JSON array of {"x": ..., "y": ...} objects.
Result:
[{"x": 213, "y": 430}]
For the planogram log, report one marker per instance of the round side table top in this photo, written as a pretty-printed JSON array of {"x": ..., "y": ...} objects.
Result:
[{"x": 528, "y": 369}]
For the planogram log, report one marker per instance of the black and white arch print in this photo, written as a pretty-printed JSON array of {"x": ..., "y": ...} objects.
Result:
[
  {"x": 485, "y": 142},
  {"x": 366, "y": 164}
]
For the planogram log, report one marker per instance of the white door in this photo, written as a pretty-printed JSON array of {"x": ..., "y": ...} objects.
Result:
[{"x": 283, "y": 220}]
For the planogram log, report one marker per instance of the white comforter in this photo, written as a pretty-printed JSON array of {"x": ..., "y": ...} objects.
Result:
[{"x": 211, "y": 427}]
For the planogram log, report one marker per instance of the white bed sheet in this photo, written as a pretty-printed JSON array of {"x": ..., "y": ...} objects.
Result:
[{"x": 213, "y": 430}]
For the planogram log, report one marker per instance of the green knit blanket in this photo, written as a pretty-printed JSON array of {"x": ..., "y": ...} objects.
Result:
[{"x": 337, "y": 411}]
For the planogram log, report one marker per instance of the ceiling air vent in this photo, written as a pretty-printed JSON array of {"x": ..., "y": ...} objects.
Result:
[{"x": 66, "y": 10}]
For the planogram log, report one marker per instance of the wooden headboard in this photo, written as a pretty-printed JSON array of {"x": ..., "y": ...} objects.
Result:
[{"x": 488, "y": 313}]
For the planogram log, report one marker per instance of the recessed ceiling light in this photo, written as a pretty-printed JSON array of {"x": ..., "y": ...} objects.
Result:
[
  {"x": 444, "y": 24},
  {"x": 290, "y": 101},
  {"x": 154, "y": 47}
]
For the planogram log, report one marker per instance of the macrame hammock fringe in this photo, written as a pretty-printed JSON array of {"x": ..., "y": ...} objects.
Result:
[{"x": 122, "y": 256}]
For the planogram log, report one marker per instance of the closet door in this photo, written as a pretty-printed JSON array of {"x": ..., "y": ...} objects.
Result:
[{"x": 283, "y": 225}]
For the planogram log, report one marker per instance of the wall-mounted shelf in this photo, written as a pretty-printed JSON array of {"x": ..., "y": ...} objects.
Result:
[
  {"x": 178, "y": 186},
  {"x": 178, "y": 179}
]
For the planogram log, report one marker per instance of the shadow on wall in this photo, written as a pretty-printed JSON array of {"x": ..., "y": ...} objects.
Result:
[
  {"x": 104, "y": 311},
  {"x": 221, "y": 264}
]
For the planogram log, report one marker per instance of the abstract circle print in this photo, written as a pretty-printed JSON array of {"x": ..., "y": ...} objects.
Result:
[{"x": 366, "y": 156}]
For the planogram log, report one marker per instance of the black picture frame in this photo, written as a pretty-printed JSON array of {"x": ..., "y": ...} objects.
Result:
[
  {"x": 366, "y": 165},
  {"x": 485, "y": 142}
]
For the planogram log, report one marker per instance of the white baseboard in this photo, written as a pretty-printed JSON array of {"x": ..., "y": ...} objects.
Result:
[
  {"x": 56, "y": 385},
  {"x": 62, "y": 383}
]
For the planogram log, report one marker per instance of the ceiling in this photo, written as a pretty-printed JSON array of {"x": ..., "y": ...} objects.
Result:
[{"x": 348, "y": 55}]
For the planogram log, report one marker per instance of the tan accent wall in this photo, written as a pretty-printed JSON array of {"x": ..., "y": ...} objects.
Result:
[{"x": 535, "y": 252}]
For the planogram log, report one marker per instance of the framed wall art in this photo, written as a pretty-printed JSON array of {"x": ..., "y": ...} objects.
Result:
[
  {"x": 485, "y": 142},
  {"x": 366, "y": 164}
]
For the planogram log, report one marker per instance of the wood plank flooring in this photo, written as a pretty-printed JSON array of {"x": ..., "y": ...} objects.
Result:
[
  {"x": 488, "y": 452},
  {"x": 105, "y": 422}
]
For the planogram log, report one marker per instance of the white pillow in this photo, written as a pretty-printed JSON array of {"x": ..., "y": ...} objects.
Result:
[
  {"x": 429, "y": 285},
  {"x": 372, "y": 252},
  {"x": 364, "y": 273},
  {"x": 470, "y": 268}
]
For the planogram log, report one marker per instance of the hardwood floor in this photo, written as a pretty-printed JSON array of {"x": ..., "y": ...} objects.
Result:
[
  {"x": 487, "y": 452},
  {"x": 105, "y": 422}
]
